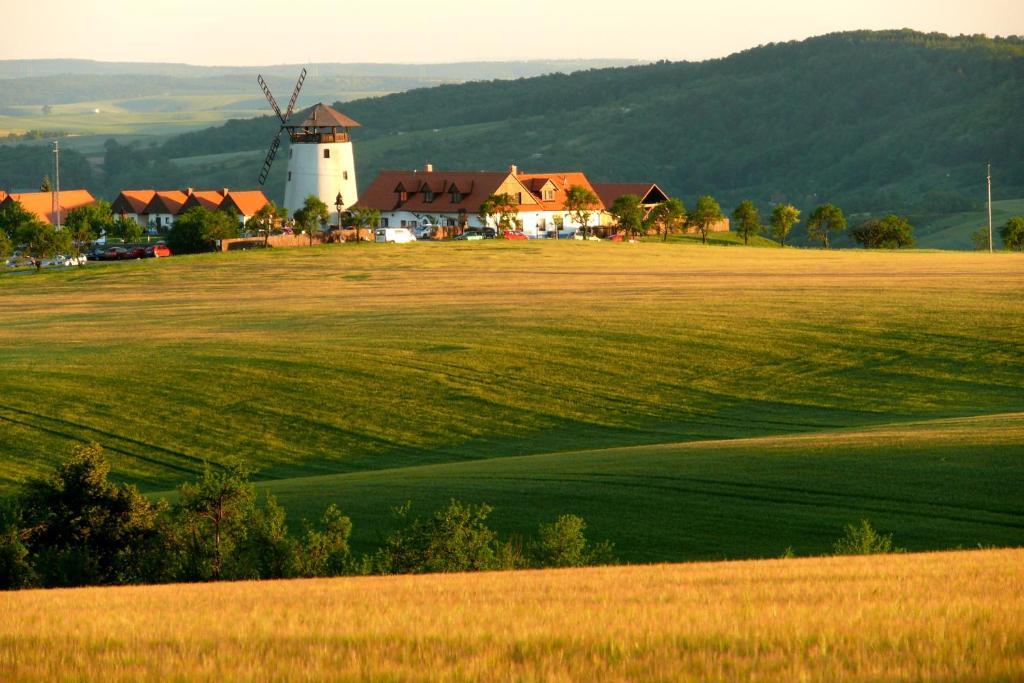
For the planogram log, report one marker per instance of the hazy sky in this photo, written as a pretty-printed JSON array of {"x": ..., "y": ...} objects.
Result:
[{"x": 232, "y": 32}]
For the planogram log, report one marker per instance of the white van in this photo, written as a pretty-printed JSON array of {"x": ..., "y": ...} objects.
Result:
[{"x": 394, "y": 235}]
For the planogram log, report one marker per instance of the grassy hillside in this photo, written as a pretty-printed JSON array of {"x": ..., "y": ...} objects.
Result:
[
  {"x": 918, "y": 617},
  {"x": 953, "y": 231},
  {"x": 935, "y": 485},
  {"x": 347, "y": 359}
]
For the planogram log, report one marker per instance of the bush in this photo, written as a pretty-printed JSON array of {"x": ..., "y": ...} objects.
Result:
[
  {"x": 863, "y": 539},
  {"x": 563, "y": 544}
]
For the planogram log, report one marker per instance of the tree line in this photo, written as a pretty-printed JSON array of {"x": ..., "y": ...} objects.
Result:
[{"x": 79, "y": 528}]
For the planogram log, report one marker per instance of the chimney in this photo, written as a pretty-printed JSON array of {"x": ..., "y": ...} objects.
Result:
[
  {"x": 188, "y": 191},
  {"x": 224, "y": 192},
  {"x": 513, "y": 169},
  {"x": 429, "y": 168}
]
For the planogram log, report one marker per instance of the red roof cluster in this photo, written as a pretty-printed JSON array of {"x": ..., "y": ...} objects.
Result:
[{"x": 174, "y": 202}]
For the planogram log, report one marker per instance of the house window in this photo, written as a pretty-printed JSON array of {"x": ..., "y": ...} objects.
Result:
[
  {"x": 327, "y": 154},
  {"x": 542, "y": 223},
  {"x": 383, "y": 222},
  {"x": 428, "y": 196},
  {"x": 403, "y": 196},
  {"x": 450, "y": 222},
  {"x": 456, "y": 196},
  {"x": 548, "y": 195}
]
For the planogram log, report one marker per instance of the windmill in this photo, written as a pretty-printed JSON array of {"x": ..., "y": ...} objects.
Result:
[{"x": 269, "y": 161}]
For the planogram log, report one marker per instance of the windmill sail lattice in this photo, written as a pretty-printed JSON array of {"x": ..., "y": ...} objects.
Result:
[{"x": 269, "y": 161}]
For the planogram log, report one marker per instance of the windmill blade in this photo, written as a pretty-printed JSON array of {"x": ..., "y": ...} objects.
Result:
[
  {"x": 295, "y": 95},
  {"x": 270, "y": 98},
  {"x": 269, "y": 161}
]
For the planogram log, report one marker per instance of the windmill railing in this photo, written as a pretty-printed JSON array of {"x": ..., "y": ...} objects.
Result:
[{"x": 319, "y": 137}]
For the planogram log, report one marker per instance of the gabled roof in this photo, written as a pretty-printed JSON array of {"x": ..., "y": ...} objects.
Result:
[
  {"x": 41, "y": 203},
  {"x": 649, "y": 193},
  {"x": 166, "y": 201},
  {"x": 321, "y": 116},
  {"x": 208, "y": 199},
  {"x": 245, "y": 202},
  {"x": 3, "y": 195},
  {"x": 132, "y": 201},
  {"x": 562, "y": 183},
  {"x": 474, "y": 188}
]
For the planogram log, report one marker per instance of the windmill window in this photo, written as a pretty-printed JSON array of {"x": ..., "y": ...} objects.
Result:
[
  {"x": 327, "y": 154},
  {"x": 344, "y": 174},
  {"x": 289, "y": 175}
]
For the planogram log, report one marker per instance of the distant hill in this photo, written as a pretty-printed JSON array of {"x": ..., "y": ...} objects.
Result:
[{"x": 875, "y": 121}]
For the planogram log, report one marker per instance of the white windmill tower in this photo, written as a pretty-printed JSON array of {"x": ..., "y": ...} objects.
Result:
[{"x": 321, "y": 161}]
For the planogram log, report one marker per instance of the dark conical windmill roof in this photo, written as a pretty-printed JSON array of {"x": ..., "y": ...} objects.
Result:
[{"x": 321, "y": 116}]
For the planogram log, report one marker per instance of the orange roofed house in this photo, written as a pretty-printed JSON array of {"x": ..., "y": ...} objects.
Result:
[
  {"x": 157, "y": 209},
  {"x": 453, "y": 199},
  {"x": 44, "y": 204}
]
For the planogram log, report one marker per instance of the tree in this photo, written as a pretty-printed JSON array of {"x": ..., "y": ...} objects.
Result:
[
  {"x": 266, "y": 221},
  {"x": 13, "y": 217},
  {"x": 581, "y": 203},
  {"x": 5, "y": 245},
  {"x": 214, "y": 516},
  {"x": 628, "y": 213},
  {"x": 706, "y": 213},
  {"x": 503, "y": 208},
  {"x": 979, "y": 239},
  {"x": 863, "y": 539},
  {"x": 563, "y": 544},
  {"x": 81, "y": 528},
  {"x": 324, "y": 549},
  {"x": 16, "y": 570},
  {"x": 42, "y": 240},
  {"x": 667, "y": 217},
  {"x": 196, "y": 229},
  {"x": 1013, "y": 234},
  {"x": 364, "y": 218},
  {"x": 825, "y": 220},
  {"x": 784, "y": 217},
  {"x": 46, "y": 185},
  {"x": 312, "y": 216},
  {"x": 86, "y": 223},
  {"x": 266, "y": 551},
  {"x": 891, "y": 232},
  {"x": 748, "y": 220},
  {"x": 126, "y": 229}
]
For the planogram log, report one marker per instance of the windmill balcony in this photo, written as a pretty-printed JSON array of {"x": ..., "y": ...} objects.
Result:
[{"x": 319, "y": 138}]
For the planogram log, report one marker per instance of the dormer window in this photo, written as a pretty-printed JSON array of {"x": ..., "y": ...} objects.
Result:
[
  {"x": 548, "y": 195},
  {"x": 403, "y": 196},
  {"x": 456, "y": 196},
  {"x": 428, "y": 195}
]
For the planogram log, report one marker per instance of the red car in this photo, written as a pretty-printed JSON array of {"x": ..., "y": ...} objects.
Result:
[
  {"x": 157, "y": 250},
  {"x": 134, "y": 252},
  {"x": 617, "y": 237},
  {"x": 515, "y": 235}
]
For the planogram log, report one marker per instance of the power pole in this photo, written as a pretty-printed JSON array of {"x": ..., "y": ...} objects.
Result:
[
  {"x": 56, "y": 162},
  {"x": 990, "y": 250}
]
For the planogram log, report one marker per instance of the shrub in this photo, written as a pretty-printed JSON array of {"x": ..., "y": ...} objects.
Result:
[
  {"x": 563, "y": 544},
  {"x": 863, "y": 539}
]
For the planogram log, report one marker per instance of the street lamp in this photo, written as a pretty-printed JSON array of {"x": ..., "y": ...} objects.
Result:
[{"x": 338, "y": 204}]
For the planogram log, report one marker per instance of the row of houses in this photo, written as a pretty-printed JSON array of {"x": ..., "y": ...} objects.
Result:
[
  {"x": 452, "y": 199},
  {"x": 154, "y": 209}
]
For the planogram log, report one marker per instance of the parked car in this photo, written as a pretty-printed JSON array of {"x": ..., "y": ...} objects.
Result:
[
  {"x": 425, "y": 232},
  {"x": 394, "y": 235},
  {"x": 567, "y": 234},
  {"x": 114, "y": 254},
  {"x": 134, "y": 252},
  {"x": 515, "y": 235},
  {"x": 158, "y": 250},
  {"x": 617, "y": 237}
]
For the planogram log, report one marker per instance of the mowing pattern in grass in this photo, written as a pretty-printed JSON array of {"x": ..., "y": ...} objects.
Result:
[
  {"x": 904, "y": 617},
  {"x": 935, "y": 485},
  {"x": 341, "y": 359}
]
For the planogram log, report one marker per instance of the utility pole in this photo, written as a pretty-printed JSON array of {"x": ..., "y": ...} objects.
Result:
[
  {"x": 56, "y": 162},
  {"x": 990, "y": 250}
]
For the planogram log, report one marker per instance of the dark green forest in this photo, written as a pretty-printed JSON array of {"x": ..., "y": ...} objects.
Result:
[{"x": 877, "y": 122}]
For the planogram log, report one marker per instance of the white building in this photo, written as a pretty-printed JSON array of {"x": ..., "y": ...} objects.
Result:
[
  {"x": 453, "y": 199},
  {"x": 321, "y": 161}
]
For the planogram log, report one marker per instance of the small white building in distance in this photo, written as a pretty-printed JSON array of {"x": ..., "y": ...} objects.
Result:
[{"x": 320, "y": 159}]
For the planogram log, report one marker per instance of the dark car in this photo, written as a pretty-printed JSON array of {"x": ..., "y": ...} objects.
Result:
[
  {"x": 134, "y": 252},
  {"x": 114, "y": 254}
]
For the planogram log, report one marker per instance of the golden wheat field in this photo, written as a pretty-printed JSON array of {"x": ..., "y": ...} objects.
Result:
[{"x": 940, "y": 616}]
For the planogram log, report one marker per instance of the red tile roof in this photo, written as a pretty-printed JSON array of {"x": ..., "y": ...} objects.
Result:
[
  {"x": 562, "y": 182},
  {"x": 245, "y": 202},
  {"x": 208, "y": 199},
  {"x": 473, "y": 189},
  {"x": 649, "y": 193},
  {"x": 132, "y": 201},
  {"x": 321, "y": 116},
  {"x": 42, "y": 203},
  {"x": 166, "y": 201}
]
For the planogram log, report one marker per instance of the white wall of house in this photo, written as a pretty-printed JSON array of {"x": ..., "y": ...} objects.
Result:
[{"x": 533, "y": 222}]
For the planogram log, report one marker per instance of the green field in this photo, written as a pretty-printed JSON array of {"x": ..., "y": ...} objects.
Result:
[
  {"x": 953, "y": 231},
  {"x": 690, "y": 402}
]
